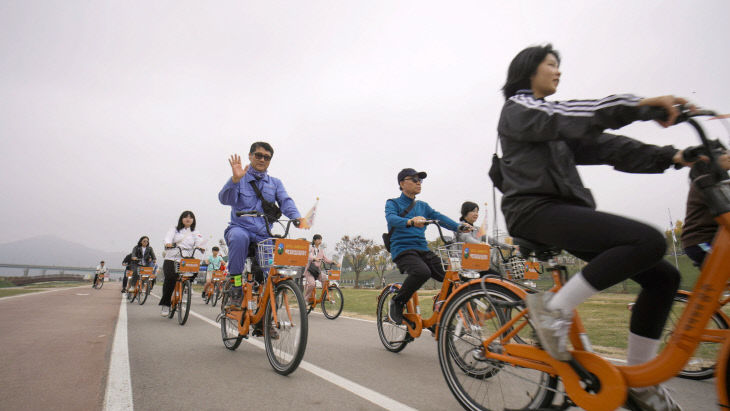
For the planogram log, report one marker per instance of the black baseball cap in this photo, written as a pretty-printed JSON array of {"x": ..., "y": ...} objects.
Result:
[{"x": 407, "y": 172}]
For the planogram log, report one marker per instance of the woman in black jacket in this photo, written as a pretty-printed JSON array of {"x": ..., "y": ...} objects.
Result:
[
  {"x": 545, "y": 201},
  {"x": 142, "y": 255}
]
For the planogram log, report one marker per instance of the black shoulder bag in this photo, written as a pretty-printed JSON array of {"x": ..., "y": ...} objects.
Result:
[
  {"x": 272, "y": 211},
  {"x": 386, "y": 236}
]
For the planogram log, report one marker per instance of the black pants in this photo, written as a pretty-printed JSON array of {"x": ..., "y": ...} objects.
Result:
[
  {"x": 616, "y": 249},
  {"x": 168, "y": 268},
  {"x": 135, "y": 276},
  {"x": 419, "y": 266},
  {"x": 93, "y": 283},
  {"x": 696, "y": 253}
]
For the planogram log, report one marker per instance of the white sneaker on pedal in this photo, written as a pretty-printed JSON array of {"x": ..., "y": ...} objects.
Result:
[
  {"x": 655, "y": 398},
  {"x": 165, "y": 311},
  {"x": 552, "y": 326}
]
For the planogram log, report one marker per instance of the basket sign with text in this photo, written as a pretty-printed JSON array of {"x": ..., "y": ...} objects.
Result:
[
  {"x": 291, "y": 252},
  {"x": 475, "y": 257},
  {"x": 532, "y": 270},
  {"x": 334, "y": 275},
  {"x": 189, "y": 265},
  {"x": 146, "y": 270}
]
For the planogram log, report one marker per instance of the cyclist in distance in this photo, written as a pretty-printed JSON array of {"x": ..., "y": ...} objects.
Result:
[
  {"x": 545, "y": 202},
  {"x": 214, "y": 264},
  {"x": 100, "y": 269},
  {"x": 244, "y": 191},
  {"x": 408, "y": 244},
  {"x": 125, "y": 263},
  {"x": 142, "y": 255},
  {"x": 184, "y": 236},
  {"x": 313, "y": 271}
]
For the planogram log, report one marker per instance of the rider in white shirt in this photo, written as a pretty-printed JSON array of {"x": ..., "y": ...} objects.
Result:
[{"x": 100, "y": 269}]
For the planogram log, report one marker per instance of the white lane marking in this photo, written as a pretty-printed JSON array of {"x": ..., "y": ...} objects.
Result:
[
  {"x": 118, "y": 394},
  {"x": 351, "y": 386},
  {"x": 40, "y": 292}
]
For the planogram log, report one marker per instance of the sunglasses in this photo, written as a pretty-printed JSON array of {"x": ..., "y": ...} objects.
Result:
[
  {"x": 261, "y": 156},
  {"x": 415, "y": 179}
]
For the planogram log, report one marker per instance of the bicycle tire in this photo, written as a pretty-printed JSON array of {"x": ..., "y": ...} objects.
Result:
[
  {"x": 184, "y": 305},
  {"x": 208, "y": 296},
  {"x": 285, "y": 350},
  {"x": 175, "y": 297},
  {"x": 131, "y": 295},
  {"x": 99, "y": 283},
  {"x": 217, "y": 294},
  {"x": 335, "y": 301},
  {"x": 701, "y": 365},
  {"x": 394, "y": 337},
  {"x": 229, "y": 328},
  {"x": 468, "y": 318},
  {"x": 145, "y": 293}
]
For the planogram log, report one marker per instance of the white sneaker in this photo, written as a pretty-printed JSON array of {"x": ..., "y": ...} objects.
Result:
[
  {"x": 165, "y": 311},
  {"x": 655, "y": 398},
  {"x": 552, "y": 326}
]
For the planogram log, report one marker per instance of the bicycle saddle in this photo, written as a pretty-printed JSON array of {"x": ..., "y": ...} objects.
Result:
[{"x": 542, "y": 252}]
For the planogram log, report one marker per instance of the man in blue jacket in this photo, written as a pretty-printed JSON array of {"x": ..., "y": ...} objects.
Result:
[
  {"x": 239, "y": 193},
  {"x": 408, "y": 244}
]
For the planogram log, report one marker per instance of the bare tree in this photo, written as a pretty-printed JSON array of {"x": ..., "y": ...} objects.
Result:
[
  {"x": 379, "y": 259},
  {"x": 354, "y": 250}
]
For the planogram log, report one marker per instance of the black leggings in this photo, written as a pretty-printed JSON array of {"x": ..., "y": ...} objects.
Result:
[
  {"x": 616, "y": 249},
  {"x": 168, "y": 268}
]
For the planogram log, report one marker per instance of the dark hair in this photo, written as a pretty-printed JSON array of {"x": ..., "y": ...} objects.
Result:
[
  {"x": 261, "y": 144},
  {"x": 524, "y": 66},
  {"x": 315, "y": 238},
  {"x": 466, "y": 208},
  {"x": 139, "y": 243},
  {"x": 102, "y": 262},
  {"x": 186, "y": 213},
  {"x": 215, "y": 249}
]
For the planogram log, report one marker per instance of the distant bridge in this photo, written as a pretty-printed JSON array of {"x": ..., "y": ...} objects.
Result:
[{"x": 62, "y": 270}]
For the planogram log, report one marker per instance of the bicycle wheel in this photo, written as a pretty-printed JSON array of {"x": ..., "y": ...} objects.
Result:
[
  {"x": 208, "y": 295},
  {"x": 701, "y": 365},
  {"x": 217, "y": 294},
  {"x": 394, "y": 337},
  {"x": 175, "y": 297},
  {"x": 478, "y": 383},
  {"x": 131, "y": 294},
  {"x": 332, "y": 305},
  {"x": 99, "y": 283},
  {"x": 184, "y": 305},
  {"x": 144, "y": 293},
  {"x": 286, "y": 340}
]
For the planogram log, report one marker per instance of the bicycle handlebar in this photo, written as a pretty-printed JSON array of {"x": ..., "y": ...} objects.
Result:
[
  {"x": 441, "y": 234},
  {"x": 254, "y": 213},
  {"x": 174, "y": 245}
]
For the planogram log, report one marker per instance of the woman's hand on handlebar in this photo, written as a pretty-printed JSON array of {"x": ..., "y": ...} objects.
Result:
[
  {"x": 466, "y": 227},
  {"x": 168, "y": 245},
  {"x": 669, "y": 104}
]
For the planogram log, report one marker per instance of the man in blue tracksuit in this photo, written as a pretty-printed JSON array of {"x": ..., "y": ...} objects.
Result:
[
  {"x": 408, "y": 244},
  {"x": 239, "y": 193}
]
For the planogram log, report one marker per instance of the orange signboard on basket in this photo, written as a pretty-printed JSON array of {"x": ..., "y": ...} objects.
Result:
[
  {"x": 475, "y": 256},
  {"x": 189, "y": 265},
  {"x": 146, "y": 270},
  {"x": 334, "y": 275},
  {"x": 291, "y": 252},
  {"x": 532, "y": 270}
]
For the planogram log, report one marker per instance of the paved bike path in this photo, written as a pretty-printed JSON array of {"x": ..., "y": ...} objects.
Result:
[{"x": 55, "y": 348}]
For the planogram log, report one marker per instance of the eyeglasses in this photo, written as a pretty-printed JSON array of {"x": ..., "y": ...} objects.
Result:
[
  {"x": 262, "y": 156},
  {"x": 415, "y": 179}
]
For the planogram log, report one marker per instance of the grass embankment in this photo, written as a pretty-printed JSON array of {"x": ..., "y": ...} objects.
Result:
[{"x": 8, "y": 289}]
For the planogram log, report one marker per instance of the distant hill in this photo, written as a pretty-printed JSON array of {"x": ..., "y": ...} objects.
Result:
[{"x": 51, "y": 250}]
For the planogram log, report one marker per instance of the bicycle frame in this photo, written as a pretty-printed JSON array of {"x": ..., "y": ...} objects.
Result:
[
  {"x": 325, "y": 290},
  {"x": 216, "y": 281},
  {"x": 244, "y": 317}
]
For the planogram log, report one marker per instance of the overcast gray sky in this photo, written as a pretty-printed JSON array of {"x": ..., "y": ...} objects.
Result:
[{"x": 115, "y": 116}]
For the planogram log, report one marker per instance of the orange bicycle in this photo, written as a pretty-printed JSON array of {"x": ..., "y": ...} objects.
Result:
[
  {"x": 214, "y": 289},
  {"x": 395, "y": 337},
  {"x": 187, "y": 269},
  {"x": 331, "y": 296},
  {"x": 146, "y": 276},
  {"x": 276, "y": 308},
  {"x": 517, "y": 374},
  {"x": 99, "y": 281}
]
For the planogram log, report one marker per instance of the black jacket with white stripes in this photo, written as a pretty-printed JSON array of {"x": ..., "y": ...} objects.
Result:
[{"x": 543, "y": 142}]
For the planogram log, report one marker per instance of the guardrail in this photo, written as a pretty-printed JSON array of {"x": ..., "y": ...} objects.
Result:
[{"x": 60, "y": 268}]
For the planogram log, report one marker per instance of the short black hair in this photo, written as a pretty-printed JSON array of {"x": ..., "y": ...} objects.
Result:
[
  {"x": 466, "y": 208},
  {"x": 315, "y": 238},
  {"x": 186, "y": 213},
  {"x": 524, "y": 66},
  {"x": 139, "y": 243},
  {"x": 261, "y": 144},
  {"x": 215, "y": 249}
]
